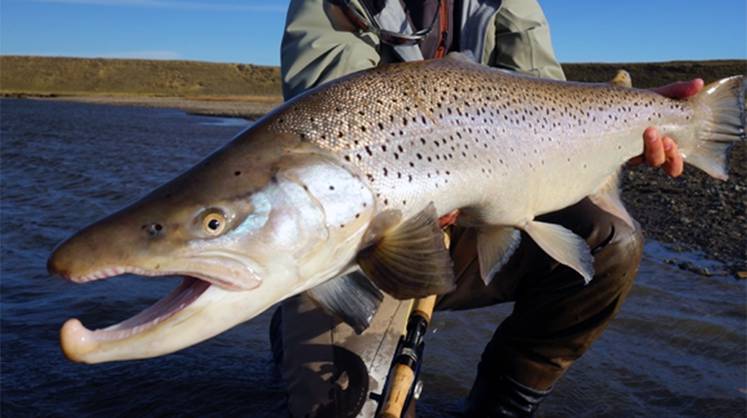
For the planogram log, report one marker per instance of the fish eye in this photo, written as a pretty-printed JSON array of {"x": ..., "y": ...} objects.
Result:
[{"x": 214, "y": 223}]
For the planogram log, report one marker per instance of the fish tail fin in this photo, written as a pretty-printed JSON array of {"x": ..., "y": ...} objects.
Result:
[{"x": 722, "y": 102}]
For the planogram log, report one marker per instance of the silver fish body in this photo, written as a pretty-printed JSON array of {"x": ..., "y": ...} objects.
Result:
[
  {"x": 355, "y": 174},
  {"x": 501, "y": 147}
]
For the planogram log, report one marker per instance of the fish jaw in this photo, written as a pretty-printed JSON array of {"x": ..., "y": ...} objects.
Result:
[{"x": 192, "y": 313}]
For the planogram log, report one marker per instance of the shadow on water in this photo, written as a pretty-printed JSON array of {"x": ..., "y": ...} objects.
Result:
[{"x": 678, "y": 347}]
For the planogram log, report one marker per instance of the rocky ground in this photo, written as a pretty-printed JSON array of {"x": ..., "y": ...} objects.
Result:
[{"x": 694, "y": 211}]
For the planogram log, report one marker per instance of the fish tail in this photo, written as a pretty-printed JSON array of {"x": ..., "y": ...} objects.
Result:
[{"x": 722, "y": 103}]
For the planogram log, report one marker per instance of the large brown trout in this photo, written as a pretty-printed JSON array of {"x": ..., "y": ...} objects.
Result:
[{"x": 354, "y": 175}]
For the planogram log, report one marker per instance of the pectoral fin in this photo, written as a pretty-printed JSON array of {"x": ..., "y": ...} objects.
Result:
[
  {"x": 495, "y": 245},
  {"x": 564, "y": 246},
  {"x": 351, "y": 298},
  {"x": 607, "y": 197},
  {"x": 410, "y": 259}
]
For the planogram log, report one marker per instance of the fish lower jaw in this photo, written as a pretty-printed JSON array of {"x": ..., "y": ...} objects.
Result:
[{"x": 77, "y": 341}]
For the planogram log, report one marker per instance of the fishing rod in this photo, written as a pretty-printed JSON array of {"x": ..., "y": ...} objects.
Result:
[{"x": 402, "y": 385}]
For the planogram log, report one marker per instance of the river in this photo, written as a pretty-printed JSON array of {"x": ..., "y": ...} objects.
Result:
[{"x": 677, "y": 348}]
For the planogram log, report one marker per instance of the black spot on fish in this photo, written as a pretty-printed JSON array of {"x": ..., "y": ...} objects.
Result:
[{"x": 237, "y": 173}]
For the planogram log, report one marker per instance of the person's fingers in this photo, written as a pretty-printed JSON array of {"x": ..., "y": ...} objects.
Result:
[
  {"x": 638, "y": 160},
  {"x": 674, "y": 165},
  {"x": 681, "y": 89},
  {"x": 653, "y": 149}
]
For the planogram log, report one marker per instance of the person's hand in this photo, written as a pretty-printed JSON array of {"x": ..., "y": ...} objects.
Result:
[{"x": 661, "y": 151}]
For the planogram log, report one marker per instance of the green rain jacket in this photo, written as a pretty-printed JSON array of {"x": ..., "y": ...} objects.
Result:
[{"x": 320, "y": 44}]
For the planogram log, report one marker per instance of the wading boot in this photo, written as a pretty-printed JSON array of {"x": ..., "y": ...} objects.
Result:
[{"x": 503, "y": 397}]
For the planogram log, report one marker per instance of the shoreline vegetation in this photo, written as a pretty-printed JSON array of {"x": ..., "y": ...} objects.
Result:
[{"x": 690, "y": 213}]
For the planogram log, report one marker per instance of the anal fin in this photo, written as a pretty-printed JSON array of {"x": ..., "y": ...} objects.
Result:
[
  {"x": 564, "y": 246},
  {"x": 351, "y": 298},
  {"x": 495, "y": 245},
  {"x": 607, "y": 197},
  {"x": 410, "y": 260}
]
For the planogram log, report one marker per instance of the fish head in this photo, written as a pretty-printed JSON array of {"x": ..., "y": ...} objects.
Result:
[{"x": 260, "y": 220}]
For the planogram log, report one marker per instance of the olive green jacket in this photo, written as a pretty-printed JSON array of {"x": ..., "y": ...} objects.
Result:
[{"x": 320, "y": 44}]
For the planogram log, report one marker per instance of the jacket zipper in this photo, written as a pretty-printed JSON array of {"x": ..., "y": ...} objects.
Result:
[{"x": 443, "y": 28}]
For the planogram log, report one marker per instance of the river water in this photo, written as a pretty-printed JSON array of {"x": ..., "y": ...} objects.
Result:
[{"x": 678, "y": 347}]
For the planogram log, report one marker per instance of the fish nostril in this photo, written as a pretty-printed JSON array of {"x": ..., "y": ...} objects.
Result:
[{"x": 154, "y": 230}]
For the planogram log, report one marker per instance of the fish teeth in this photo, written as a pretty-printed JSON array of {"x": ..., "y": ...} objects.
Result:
[{"x": 107, "y": 272}]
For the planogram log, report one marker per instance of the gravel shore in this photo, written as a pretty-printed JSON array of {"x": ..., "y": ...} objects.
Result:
[
  {"x": 694, "y": 211},
  {"x": 691, "y": 213}
]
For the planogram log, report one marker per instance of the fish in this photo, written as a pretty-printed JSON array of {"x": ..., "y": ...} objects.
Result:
[{"x": 339, "y": 192}]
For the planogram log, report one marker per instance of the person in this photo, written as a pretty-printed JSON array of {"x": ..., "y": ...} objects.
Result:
[{"x": 556, "y": 317}]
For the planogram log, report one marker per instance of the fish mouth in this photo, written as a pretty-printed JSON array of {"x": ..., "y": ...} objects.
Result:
[
  {"x": 77, "y": 340},
  {"x": 215, "y": 294},
  {"x": 81, "y": 344}
]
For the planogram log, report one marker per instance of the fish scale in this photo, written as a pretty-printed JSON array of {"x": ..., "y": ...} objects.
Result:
[{"x": 455, "y": 126}]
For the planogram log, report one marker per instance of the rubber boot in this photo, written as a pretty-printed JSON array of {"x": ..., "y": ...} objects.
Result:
[{"x": 503, "y": 397}]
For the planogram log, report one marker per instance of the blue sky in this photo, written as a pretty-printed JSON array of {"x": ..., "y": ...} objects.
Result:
[{"x": 249, "y": 31}]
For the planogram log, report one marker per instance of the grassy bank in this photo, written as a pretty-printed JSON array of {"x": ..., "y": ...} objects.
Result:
[
  {"x": 55, "y": 76},
  {"x": 83, "y": 76},
  {"x": 647, "y": 75}
]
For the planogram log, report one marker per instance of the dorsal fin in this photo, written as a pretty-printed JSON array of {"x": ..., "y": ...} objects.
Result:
[{"x": 622, "y": 79}]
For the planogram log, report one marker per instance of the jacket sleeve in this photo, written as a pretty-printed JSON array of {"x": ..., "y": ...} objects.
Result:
[
  {"x": 320, "y": 44},
  {"x": 522, "y": 40}
]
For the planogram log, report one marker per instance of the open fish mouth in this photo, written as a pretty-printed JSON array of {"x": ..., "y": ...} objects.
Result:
[
  {"x": 77, "y": 341},
  {"x": 182, "y": 296}
]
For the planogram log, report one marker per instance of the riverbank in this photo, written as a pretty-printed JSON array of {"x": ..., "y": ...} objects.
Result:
[{"x": 246, "y": 107}]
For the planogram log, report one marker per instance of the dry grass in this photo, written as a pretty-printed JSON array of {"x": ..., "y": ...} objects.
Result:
[
  {"x": 647, "y": 75},
  {"x": 55, "y": 76},
  {"x": 112, "y": 77}
]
